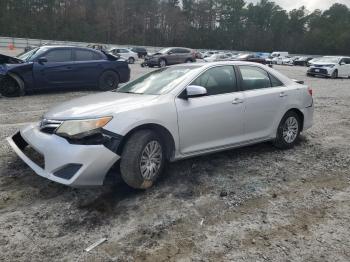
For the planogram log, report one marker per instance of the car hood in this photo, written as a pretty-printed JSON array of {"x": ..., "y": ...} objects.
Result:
[
  {"x": 102, "y": 104},
  {"x": 5, "y": 59},
  {"x": 323, "y": 63}
]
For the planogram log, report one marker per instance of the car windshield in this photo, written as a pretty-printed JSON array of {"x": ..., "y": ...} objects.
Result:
[
  {"x": 164, "y": 50},
  {"x": 157, "y": 82},
  {"x": 243, "y": 56},
  {"x": 27, "y": 55},
  {"x": 334, "y": 60},
  {"x": 30, "y": 55}
]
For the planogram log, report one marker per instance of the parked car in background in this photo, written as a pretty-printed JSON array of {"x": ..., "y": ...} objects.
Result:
[
  {"x": 217, "y": 57},
  {"x": 170, "y": 56},
  {"x": 49, "y": 67},
  {"x": 331, "y": 66},
  {"x": 302, "y": 61},
  {"x": 95, "y": 46},
  {"x": 141, "y": 51},
  {"x": 163, "y": 116},
  {"x": 277, "y": 57},
  {"x": 125, "y": 53},
  {"x": 251, "y": 58}
]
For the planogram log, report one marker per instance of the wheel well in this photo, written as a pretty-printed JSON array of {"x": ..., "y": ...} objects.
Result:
[
  {"x": 162, "y": 58},
  {"x": 18, "y": 80},
  {"x": 109, "y": 69},
  {"x": 300, "y": 115},
  {"x": 164, "y": 134}
]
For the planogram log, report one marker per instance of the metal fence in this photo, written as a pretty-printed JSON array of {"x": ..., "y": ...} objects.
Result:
[{"x": 24, "y": 42}]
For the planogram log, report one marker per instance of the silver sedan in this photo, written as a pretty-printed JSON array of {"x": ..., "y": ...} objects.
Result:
[{"x": 166, "y": 115}]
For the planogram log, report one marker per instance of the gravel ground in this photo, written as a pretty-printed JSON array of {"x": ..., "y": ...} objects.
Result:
[{"x": 251, "y": 204}]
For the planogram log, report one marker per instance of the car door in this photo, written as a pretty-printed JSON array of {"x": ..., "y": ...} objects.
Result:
[
  {"x": 173, "y": 56},
  {"x": 344, "y": 67},
  {"x": 264, "y": 99},
  {"x": 88, "y": 66},
  {"x": 213, "y": 121},
  {"x": 57, "y": 71}
]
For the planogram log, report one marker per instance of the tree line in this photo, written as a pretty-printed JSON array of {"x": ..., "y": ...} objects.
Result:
[{"x": 206, "y": 24}]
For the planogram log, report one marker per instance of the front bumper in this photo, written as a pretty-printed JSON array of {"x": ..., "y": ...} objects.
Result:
[
  {"x": 308, "y": 113},
  {"x": 65, "y": 163},
  {"x": 320, "y": 71}
]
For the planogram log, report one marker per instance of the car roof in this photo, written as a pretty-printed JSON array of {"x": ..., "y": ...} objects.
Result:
[
  {"x": 209, "y": 64},
  {"x": 66, "y": 46}
]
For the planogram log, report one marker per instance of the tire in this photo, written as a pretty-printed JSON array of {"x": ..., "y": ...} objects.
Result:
[
  {"x": 311, "y": 75},
  {"x": 162, "y": 63},
  {"x": 109, "y": 80},
  {"x": 188, "y": 61},
  {"x": 9, "y": 87},
  {"x": 131, "y": 60},
  {"x": 134, "y": 151},
  {"x": 288, "y": 131},
  {"x": 334, "y": 74}
]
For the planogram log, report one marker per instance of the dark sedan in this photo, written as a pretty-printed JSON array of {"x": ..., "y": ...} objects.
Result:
[
  {"x": 250, "y": 58},
  {"x": 302, "y": 61},
  {"x": 50, "y": 67}
]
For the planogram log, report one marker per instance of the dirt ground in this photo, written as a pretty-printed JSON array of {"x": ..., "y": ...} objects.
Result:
[{"x": 251, "y": 204}]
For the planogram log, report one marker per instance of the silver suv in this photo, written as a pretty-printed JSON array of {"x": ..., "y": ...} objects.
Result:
[
  {"x": 166, "y": 115},
  {"x": 170, "y": 56}
]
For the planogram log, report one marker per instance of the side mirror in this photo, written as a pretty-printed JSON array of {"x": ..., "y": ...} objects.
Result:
[
  {"x": 170, "y": 53},
  {"x": 194, "y": 91},
  {"x": 342, "y": 63},
  {"x": 42, "y": 60}
]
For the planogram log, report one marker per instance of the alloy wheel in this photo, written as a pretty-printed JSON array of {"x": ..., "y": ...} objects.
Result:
[
  {"x": 151, "y": 159},
  {"x": 290, "y": 129}
]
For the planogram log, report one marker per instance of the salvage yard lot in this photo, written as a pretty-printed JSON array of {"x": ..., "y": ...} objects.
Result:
[{"x": 251, "y": 204}]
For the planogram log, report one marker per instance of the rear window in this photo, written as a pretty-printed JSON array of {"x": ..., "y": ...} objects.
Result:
[{"x": 86, "y": 55}]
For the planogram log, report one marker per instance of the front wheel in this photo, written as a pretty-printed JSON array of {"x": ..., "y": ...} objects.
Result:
[
  {"x": 109, "y": 80},
  {"x": 162, "y": 63},
  {"x": 9, "y": 87},
  {"x": 288, "y": 131},
  {"x": 334, "y": 74},
  {"x": 142, "y": 159}
]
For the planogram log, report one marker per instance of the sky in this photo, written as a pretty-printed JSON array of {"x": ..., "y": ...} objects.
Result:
[{"x": 310, "y": 4}]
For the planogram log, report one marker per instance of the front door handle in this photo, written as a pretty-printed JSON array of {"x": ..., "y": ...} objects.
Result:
[
  {"x": 283, "y": 94},
  {"x": 237, "y": 101}
]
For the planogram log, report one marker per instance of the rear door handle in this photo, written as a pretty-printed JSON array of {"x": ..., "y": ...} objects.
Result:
[
  {"x": 283, "y": 94},
  {"x": 237, "y": 101}
]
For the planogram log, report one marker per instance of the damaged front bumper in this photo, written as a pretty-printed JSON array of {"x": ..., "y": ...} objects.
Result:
[{"x": 55, "y": 158}]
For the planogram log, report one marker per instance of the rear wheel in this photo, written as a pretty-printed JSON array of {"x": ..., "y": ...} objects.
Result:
[
  {"x": 188, "y": 61},
  {"x": 9, "y": 87},
  {"x": 109, "y": 80},
  {"x": 288, "y": 131},
  {"x": 142, "y": 159},
  {"x": 131, "y": 60}
]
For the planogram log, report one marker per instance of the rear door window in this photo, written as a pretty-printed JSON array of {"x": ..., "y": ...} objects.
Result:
[
  {"x": 86, "y": 55},
  {"x": 254, "y": 78}
]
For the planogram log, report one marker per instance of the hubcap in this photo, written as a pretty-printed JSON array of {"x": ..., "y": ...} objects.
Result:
[
  {"x": 162, "y": 63},
  {"x": 290, "y": 129},
  {"x": 110, "y": 81},
  {"x": 151, "y": 159}
]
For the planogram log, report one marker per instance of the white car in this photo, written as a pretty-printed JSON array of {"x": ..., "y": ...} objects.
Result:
[
  {"x": 169, "y": 114},
  {"x": 125, "y": 53},
  {"x": 330, "y": 66},
  {"x": 217, "y": 57}
]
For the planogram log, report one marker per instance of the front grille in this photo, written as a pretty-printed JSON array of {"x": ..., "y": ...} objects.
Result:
[
  {"x": 35, "y": 156},
  {"x": 29, "y": 151},
  {"x": 320, "y": 71},
  {"x": 49, "y": 126}
]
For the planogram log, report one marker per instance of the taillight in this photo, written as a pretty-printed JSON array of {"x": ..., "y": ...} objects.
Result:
[{"x": 309, "y": 89}]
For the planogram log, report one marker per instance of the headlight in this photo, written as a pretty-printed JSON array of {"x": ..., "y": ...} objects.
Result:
[{"x": 82, "y": 128}]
